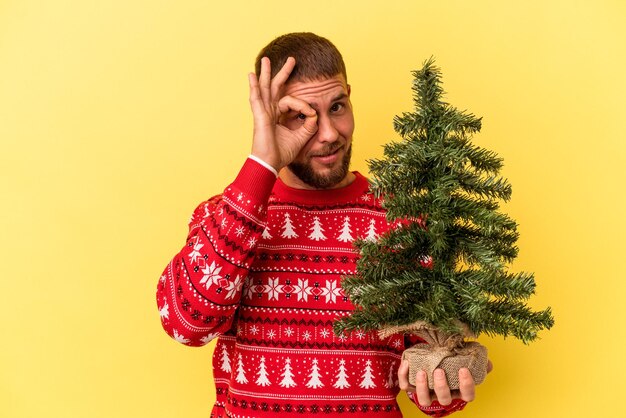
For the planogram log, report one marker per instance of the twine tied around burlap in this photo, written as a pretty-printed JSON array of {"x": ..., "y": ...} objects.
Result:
[{"x": 447, "y": 351}]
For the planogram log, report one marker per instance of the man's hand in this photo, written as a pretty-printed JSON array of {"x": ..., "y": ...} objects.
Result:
[
  {"x": 441, "y": 392},
  {"x": 273, "y": 142}
]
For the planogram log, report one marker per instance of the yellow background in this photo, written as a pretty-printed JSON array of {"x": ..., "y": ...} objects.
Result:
[{"x": 118, "y": 117}]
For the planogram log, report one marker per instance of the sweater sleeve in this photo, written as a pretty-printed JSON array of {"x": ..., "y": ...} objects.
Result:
[{"x": 200, "y": 289}]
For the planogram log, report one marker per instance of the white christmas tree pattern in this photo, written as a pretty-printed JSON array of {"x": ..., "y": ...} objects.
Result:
[
  {"x": 371, "y": 231},
  {"x": 314, "y": 381},
  {"x": 225, "y": 366},
  {"x": 367, "y": 382},
  {"x": 391, "y": 382},
  {"x": 241, "y": 374},
  {"x": 287, "y": 375},
  {"x": 346, "y": 233},
  {"x": 342, "y": 381},
  {"x": 262, "y": 379},
  {"x": 266, "y": 233},
  {"x": 317, "y": 231},
  {"x": 288, "y": 231}
]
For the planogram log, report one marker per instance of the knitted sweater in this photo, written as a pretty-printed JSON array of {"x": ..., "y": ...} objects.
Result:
[{"x": 262, "y": 270}]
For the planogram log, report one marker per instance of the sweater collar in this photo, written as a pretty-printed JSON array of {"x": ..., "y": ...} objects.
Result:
[{"x": 345, "y": 194}]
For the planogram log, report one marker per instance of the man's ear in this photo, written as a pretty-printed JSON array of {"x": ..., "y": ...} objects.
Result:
[{"x": 349, "y": 90}]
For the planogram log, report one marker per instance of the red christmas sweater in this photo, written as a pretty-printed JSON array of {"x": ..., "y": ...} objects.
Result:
[{"x": 261, "y": 270}]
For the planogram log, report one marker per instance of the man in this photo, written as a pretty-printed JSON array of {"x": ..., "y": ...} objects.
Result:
[{"x": 263, "y": 262}]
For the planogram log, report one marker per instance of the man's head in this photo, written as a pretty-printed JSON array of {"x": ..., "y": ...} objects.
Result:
[
  {"x": 319, "y": 78},
  {"x": 316, "y": 57}
]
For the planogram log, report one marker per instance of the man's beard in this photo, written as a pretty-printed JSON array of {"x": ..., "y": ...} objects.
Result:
[{"x": 305, "y": 172}]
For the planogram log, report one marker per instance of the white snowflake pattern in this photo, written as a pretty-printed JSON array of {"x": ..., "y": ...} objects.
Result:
[
  {"x": 366, "y": 198},
  {"x": 224, "y": 223},
  {"x": 254, "y": 330},
  {"x": 360, "y": 334},
  {"x": 211, "y": 275},
  {"x": 240, "y": 197},
  {"x": 252, "y": 242},
  {"x": 195, "y": 253},
  {"x": 164, "y": 311},
  {"x": 397, "y": 343},
  {"x": 324, "y": 333},
  {"x": 273, "y": 289},
  {"x": 162, "y": 278},
  {"x": 180, "y": 338},
  {"x": 208, "y": 338},
  {"x": 306, "y": 335},
  {"x": 288, "y": 331},
  {"x": 271, "y": 334},
  {"x": 331, "y": 291},
  {"x": 239, "y": 231},
  {"x": 234, "y": 287},
  {"x": 302, "y": 289},
  {"x": 343, "y": 338}
]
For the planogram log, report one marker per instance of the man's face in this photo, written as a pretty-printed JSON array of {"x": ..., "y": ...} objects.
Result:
[{"x": 324, "y": 160}]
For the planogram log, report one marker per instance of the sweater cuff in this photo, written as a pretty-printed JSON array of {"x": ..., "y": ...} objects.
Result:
[
  {"x": 435, "y": 409},
  {"x": 264, "y": 164},
  {"x": 255, "y": 180}
]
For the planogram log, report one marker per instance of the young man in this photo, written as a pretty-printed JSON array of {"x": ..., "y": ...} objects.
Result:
[{"x": 263, "y": 262}]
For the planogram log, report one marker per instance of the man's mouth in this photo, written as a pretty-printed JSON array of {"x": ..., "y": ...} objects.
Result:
[
  {"x": 328, "y": 157},
  {"x": 328, "y": 152}
]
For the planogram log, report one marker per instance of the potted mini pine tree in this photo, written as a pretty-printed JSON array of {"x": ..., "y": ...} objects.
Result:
[{"x": 442, "y": 273}]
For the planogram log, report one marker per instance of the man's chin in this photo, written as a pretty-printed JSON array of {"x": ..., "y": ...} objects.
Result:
[
  {"x": 325, "y": 178},
  {"x": 322, "y": 176}
]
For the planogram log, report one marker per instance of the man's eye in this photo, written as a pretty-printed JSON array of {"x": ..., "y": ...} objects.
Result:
[
  {"x": 336, "y": 107},
  {"x": 301, "y": 116}
]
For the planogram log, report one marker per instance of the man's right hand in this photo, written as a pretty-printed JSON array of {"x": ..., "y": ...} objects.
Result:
[{"x": 272, "y": 141}]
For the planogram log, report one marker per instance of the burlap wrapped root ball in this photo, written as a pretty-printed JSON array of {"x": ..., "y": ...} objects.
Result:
[
  {"x": 428, "y": 358},
  {"x": 449, "y": 352}
]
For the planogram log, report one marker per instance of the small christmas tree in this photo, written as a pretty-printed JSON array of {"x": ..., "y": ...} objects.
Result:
[{"x": 441, "y": 274}]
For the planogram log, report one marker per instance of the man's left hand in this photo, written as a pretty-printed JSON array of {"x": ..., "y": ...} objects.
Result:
[{"x": 441, "y": 391}]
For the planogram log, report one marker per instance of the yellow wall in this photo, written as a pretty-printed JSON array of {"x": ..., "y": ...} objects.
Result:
[{"x": 117, "y": 117}]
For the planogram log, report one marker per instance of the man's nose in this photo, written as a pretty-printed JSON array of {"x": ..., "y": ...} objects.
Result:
[{"x": 326, "y": 131}]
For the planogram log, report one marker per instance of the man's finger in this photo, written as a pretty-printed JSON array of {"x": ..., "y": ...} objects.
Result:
[
  {"x": 255, "y": 96},
  {"x": 442, "y": 390},
  {"x": 421, "y": 388},
  {"x": 466, "y": 385},
  {"x": 264, "y": 81},
  {"x": 281, "y": 76},
  {"x": 291, "y": 104},
  {"x": 403, "y": 377}
]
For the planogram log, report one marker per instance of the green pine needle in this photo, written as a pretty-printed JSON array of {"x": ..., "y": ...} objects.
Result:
[{"x": 435, "y": 173}]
